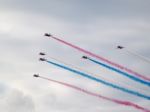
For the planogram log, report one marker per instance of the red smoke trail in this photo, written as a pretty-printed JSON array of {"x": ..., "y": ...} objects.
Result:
[
  {"x": 101, "y": 58},
  {"x": 126, "y": 103}
]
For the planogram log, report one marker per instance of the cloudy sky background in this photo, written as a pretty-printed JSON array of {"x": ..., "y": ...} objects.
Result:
[{"x": 96, "y": 25}]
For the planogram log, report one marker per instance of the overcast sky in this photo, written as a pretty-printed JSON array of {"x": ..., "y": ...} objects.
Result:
[{"x": 96, "y": 25}]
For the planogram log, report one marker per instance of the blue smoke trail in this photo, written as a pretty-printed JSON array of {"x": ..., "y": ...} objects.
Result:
[
  {"x": 121, "y": 72},
  {"x": 100, "y": 81}
]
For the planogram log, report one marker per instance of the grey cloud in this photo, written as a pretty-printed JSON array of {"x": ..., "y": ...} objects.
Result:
[
  {"x": 83, "y": 11},
  {"x": 16, "y": 100},
  {"x": 97, "y": 25}
]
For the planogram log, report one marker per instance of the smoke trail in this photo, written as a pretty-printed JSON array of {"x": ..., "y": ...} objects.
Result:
[
  {"x": 100, "y": 81},
  {"x": 121, "y": 72},
  {"x": 126, "y": 103},
  {"x": 96, "y": 75},
  {"x": 134, "y": 53},
  {"x": 101, "y": 58},
  {"x": 138, "y": 55}
]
